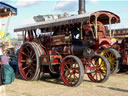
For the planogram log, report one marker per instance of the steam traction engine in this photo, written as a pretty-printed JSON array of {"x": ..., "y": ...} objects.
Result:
[
  {"x": 121, "y": 45},
  {"x": 97, "y": 36},
  {"x": 60, "y": 47}
]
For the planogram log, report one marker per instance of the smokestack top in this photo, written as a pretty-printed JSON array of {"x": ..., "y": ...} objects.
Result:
[{"x": 81, "y": 7}]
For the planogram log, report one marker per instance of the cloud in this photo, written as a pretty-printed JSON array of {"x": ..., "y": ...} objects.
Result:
[
  {"x": 66, "y": 5},
  {"x": 94, "y": 0},
  {"x": 27, "y": 2},
  {"x": 69, "y": 5},
  {"x": 29, "y": 20}
]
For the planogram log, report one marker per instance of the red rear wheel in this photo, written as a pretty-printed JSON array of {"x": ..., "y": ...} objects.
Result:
[{"x": 29, "y": 61}]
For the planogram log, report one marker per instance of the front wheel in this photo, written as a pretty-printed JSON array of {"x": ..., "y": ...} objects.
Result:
[
  {"x": 72, "y": 71},
  {"x": 102, "y": 69}
]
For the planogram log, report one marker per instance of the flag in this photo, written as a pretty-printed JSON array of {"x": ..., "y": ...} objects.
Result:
[
  {"x": 2, "y": 33},
  {"x": 7, "y": 38},
  {"x": 3, "y": 24}
]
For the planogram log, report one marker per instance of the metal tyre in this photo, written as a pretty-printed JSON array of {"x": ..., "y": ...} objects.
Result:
[
  {"x": 72, "y": 71},
  {"x": 102, "y": 69},
  {"x": 114, "y": 59},
  {"x": 29, "y": 61}
]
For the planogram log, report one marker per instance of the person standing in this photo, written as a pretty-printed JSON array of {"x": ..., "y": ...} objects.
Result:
[
  {"x": 5, "y": 59},
  {"x": 2, "y": 86},
  {"x": 8, "y": 74},
  {"x": 1, "y": 52}
]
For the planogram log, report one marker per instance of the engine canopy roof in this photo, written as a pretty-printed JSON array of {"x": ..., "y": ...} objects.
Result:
[{"x": 102, "y": 16}]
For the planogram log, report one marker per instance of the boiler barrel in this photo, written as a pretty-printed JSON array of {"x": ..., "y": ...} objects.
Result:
[{"x": 78, "y": 50}]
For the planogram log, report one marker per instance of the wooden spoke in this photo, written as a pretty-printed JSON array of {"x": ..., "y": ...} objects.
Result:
[
  {"x": 67, "y": 67},
  {"x": 76, "y": 78},
  {"x": 31, "y": 53},
  {"x": 27, "y": 49},
  {"x": 32, "y": 68},
  {"x": 33, "y": 64},
  {"x": 96, "y": 76},
  {"x": 25, "y": 67},
  {"x": 23, "y": 60},
  {"x": 33, "y": 56},
  {"x": 101, "y": 73},
  {"x": 70, "y": 78},
  {"x": 27, "y": 74},
  {"x": 25, "y": 54}
]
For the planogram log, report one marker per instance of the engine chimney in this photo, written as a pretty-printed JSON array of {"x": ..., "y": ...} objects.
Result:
[{"x": 81, "y": 7}]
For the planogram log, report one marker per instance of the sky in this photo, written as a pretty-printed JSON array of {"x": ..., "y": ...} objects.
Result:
[{"x": 27, "y": 9}]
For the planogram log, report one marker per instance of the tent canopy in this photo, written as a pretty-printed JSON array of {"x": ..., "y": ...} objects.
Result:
[{"x": 6, "y": 9}]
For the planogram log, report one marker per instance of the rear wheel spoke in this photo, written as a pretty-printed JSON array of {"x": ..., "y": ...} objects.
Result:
[
  {"x": 25, "y": 67},
  {"x": 27, "y": 49},
  {"x": 31, "y": 53},
  {"x": 23, "y": 60},
  {"x": 25, "y": 54}
]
